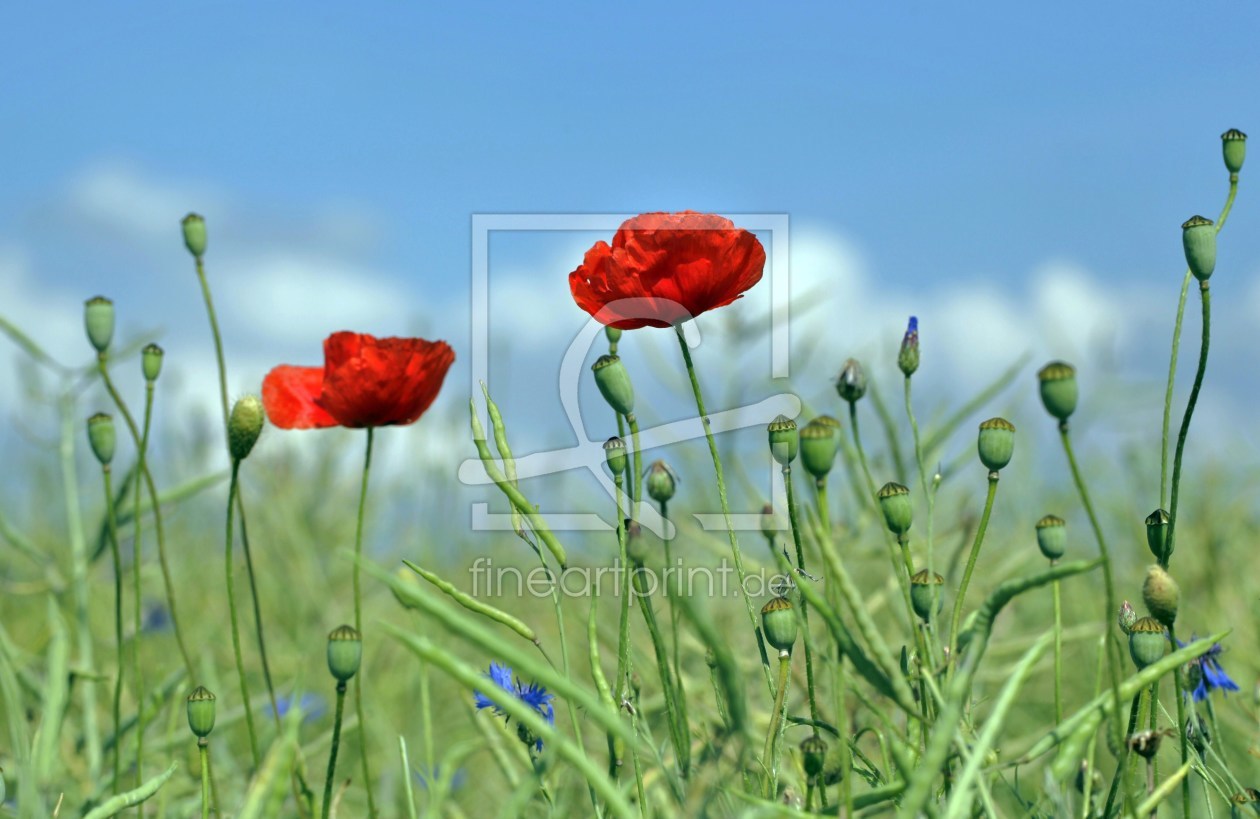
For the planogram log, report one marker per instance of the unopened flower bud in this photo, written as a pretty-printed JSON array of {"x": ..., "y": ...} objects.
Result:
[
  {"x": 1146, "y": 642},
  {"x": 1234, "y": 149},
  {"x": 769, "y": 521},
  {"x": 151, "y": 362},
  {"x": 615, "y": 455},
  {"x": 819, "y": 444},
  {"x": 614, "y": 383},
  {"x": 1161, "y": 595},
  {"x": 1058, "y": 388},
  {"x": 101, "y": 436},
  {"x": 194, "y": 234},
  {"x": 925, "y": 594},
  {"x": 245, "y": 424},
  {"x": 345, "y": 652},
  {"x": 1198, "y": 237},
  {"x": 98, "y": 320},
  {"x": 201, "y": 711},
  {"x": 1052, "y": 536},
  {"x": 660, "y": 481},
  {"x": 894, "y": 502},
  {"x": 1127, "y": 617},
  {"x": 778, "y": 623},
  {"x": 1157, "y": 534},
  {"x": 636, "y": 544},
  {"x": 996, "y": 443},
  {"x": 851, "y": 383},
  {"x": 908, "y": 357},
  {"x": 813, "y": 754},
  {"x": 783, "y": 440}
]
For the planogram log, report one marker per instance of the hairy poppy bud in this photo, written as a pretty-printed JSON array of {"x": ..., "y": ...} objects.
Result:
[
  {"x": 1157, "y": 534},
  {"x": 819, "y": 444},
  {"x": 194, "y": 234},
  {"x": 1234, "y": 149},
  {"x": 636, "y": 544},
  {"x": 661, "y": 482},
  {"x": 1198, "y": 237},
  {"x": 615, "y": 455},
  {"x": 996, "y": 443},
  {"x": 769, "y": 521},
  {"x": 151, "y": 362},
  {"x": 1161, "y": 595},
  {"x": 98, "y": 320},
  {"x": 851, "y": 383},
  {"x": 345, "y": 652},
  {"x": 925, "y": 594},
  {"x": 894, "y": 502},
  {"x": 614, "y": 383},
  {"x": 1127, "y": 617},
  {"x": 783, "y": 440},
  {"x": 245, "y": 424},
  {"x": 1052, "y": 536},
  {"x": 1146, "y": 642},
  {"x": 1058, "y": 388},
  {"x": 778, "y": 623},
  {"x": 100, "y": 429},
  {"x": 813, "y": 754},
  {"x": 908, "y": 356},
  {"x": 201, "y": 711}
]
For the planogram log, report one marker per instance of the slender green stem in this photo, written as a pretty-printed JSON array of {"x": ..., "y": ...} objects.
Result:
[
  {"x": 768, "y": 760},
  {"x": 204, "y": 752},
  {"x": 800, "y": 564},
  {"x": 928, "y": 494},
  {"x": 1122, "y": 762},
  {"x": 971, "y": 563},
  {"x": 1058, "y": 653},
  {"x": 726, "y": 509},
  {"x": 1206, "y": 299},
  {"x": 218, "y": 340},
  {"x": 408, "y": 792},
  {"x": 672, "y": 584},
  {"x": 358, "y": 618},
  {"x": 332, "y": 752},
  {"x": 624, "y": 658},
  {"x": 229, "y": 570},
  {"x": 673, "y": 711},
  {"x": 138, "y": 618},
  {"x": 636, "y": 475},
  {"x": 253, "y": 593},
  {"x": 1179, "y": 694},
  {"x": 1153, "y": 724},
  {"x": 112, "y": 523}
]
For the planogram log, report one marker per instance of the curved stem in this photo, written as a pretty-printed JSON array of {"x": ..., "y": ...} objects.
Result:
[
  {"x": 253, "y": 593},
  {"x": 678, "y": 730},
  {"x": 112, "y": 523},
  {"x": 358, "y": 618},
  {"x": 1206, "y": 299},
  {"x": 768, "y": 760},
  {"x": 971, "y": 563},
  {"x": 332, "y": 752},
  {"x": 800, "y": 565},
  {"x": 236, "y": 631},
  {"x": 636, "y": 476}
]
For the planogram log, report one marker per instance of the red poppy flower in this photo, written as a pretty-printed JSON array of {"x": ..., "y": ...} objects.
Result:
[
  {"x": 664, "y": 268},
  {"x": 365, "y": 382}
]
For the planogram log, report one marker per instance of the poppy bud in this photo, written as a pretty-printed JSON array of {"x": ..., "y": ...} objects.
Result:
[
  {"x": 1058, "y": 389},
  {"x": 778, "y": 623},
  {"x": 851, "y": 383},
  {"x": 614, "y": 383},
  {"x": 201, "y": 711},
  {"x": 345, "y": 652},
  {"x": 636, "y": 544},
  {"x": 1052, "y": 536},
  {"x": 908, "y": 357},
  {"x": 1161, "y": 595},
  {"x": 813, "y": 754},
  {"x": 151, "y": 362},
  {"x": 245, "y": 424},
  {"x": 1157, "y": 534},
  {"x": 98, "y": 320},
  {"x": 1127, "y": 617},
  {"x": 783, "y": 440},
  {"x": 997, "y": 443},
  {"x": 769, "y": 521},
  {"x": 925, "y": 594},
  {"x": 819, "y": 445},
  {"x": 195, "y": 234},
  {"x": 1198, "y": 237},
  {"x": 615, "y": 455},
  {"x": 661, "y": 482},
  {"x": 1146, "y": 642},
  {"x": 1234, "y": 149},
  {"x": 894, "y": 502},
  {"x": 100, "y": 429}
]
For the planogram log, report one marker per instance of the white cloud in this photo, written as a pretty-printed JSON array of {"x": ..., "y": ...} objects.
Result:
[{"x": 121, "y": 198}]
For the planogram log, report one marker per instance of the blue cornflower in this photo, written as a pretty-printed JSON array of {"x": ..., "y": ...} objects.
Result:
[
  {"x": 157, "y": 618},
  {"x": 1207, "y": 671},
  {"x": 313, "y": 706},
  {"x": 533, "y": 695}
]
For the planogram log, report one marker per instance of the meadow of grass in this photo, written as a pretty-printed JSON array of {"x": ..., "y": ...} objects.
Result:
[{"x": 839, "y": 698}]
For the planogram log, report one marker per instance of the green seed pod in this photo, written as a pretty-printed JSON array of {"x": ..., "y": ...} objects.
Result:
[
  {"x": 1052, "y": 536},
  {"x": 151, "y": 362},
  {"x": 813, "y": 754},
  {"x": 100, "y": 429},
  {"x": 833, "y": 766},
  {"x": 345, "y": 652},
  {"x": 98, "y": 320},
  {"x": 908, "y": 356},
  {"x": 819, "y": 444},
  {"x": 612, "y": 334},
  {"x": 660, "y": 481},
  {"x": 1157, "y": 534},
  {"x": 1198, "y": 237},
  {"x": 997, "y": 443},
  {"x": 201, "y": 711},
  {"x": 245, "y": 424},
  {"x": 1146, "y": 642},
  {"x": 195, "y": 234},
  {"x": 925, "y": 594},
  {"x": 851, "y": 383},
  {"x": 778, "y": 623},
  {"x": 1161, "y": 595},
  {"x": 615, "y": 455},
  {"x": 783, "y": 440},
  {"x": 894, "y": 502},
  {"x": 636, "y": 544},
  {"x": 614, "y": 383},
  {"x": 1234, "y": 149},
  {"x": 1127, "y": 617},
  {"x": 1058, "y": 388}
]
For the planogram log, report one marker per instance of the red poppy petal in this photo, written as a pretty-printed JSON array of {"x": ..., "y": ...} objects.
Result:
[
  {"x": 371, "y": 382},
  {"x": 289, "y": 395}
]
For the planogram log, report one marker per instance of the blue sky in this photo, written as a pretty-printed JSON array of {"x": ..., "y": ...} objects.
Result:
[{"x": 1015, "y": 174}]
